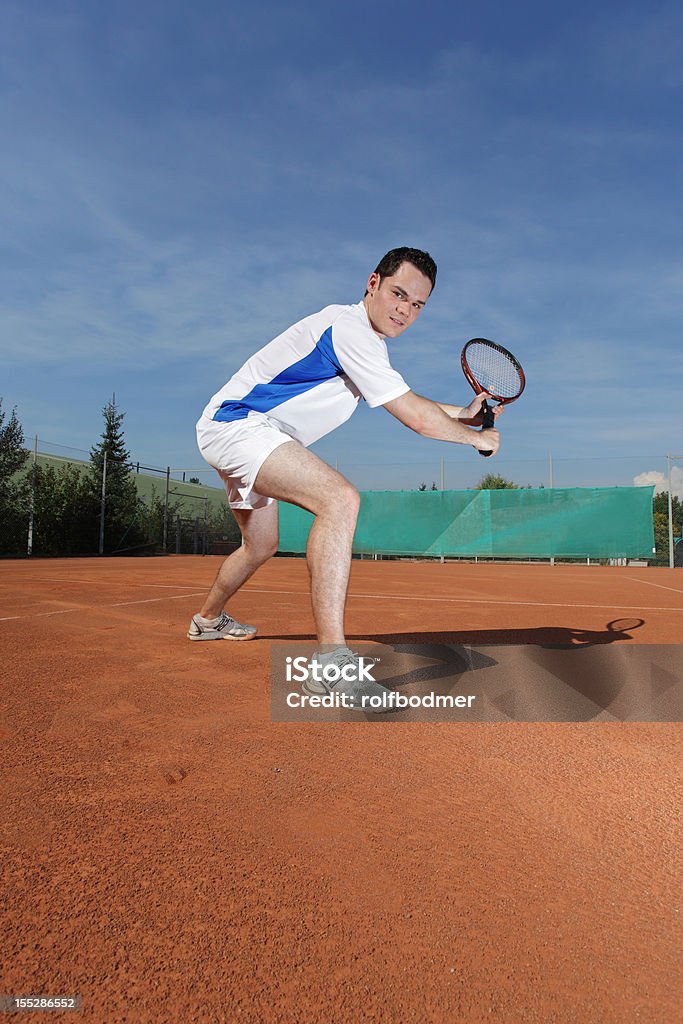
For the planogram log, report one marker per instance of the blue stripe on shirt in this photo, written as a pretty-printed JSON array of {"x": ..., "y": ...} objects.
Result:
[{"x": 319, "y": 365}]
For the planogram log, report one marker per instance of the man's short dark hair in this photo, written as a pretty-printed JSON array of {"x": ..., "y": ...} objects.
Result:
[{"x": 390, "y": 263}]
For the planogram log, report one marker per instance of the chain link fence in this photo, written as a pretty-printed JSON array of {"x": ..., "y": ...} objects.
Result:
[
  {"x": 65, "y": 507},
  {"x": 70, "y": 507}
]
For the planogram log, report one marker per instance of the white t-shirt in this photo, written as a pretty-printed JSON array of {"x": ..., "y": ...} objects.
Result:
[{"x": 310, "y": 379}]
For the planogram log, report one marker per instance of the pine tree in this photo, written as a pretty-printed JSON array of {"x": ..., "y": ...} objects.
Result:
[
  {"x": 13, "y": 513},
  {"x": 122, "y": 527},
  {"x": 13, "y": 454}
]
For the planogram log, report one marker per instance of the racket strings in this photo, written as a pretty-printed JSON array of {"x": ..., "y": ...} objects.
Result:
[{"x": 494, "y": 371}]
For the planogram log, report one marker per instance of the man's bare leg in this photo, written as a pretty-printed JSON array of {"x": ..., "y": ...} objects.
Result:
[
  {"x": 259, "y": 529},
  {"x": 292, "y": 473}
]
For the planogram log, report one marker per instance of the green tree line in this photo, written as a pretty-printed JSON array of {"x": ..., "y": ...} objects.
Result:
[
  {"x": 64, "y": 503},
  {"x": 661, "y": 523},
  {"x": 60, "y": 507}
]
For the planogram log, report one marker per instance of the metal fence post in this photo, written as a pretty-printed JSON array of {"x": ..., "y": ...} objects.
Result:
[{"x": 168, "y": 480}]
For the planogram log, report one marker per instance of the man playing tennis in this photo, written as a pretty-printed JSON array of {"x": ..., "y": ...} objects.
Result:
[{"x": 256, "y": 430}]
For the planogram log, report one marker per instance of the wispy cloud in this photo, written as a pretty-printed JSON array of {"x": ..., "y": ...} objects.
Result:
[{"x": 181, "y": 185}]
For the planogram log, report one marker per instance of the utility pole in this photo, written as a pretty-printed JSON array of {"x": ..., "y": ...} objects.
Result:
[
  {"x": 103, "y": 501},
  {"x": 671, "y": 517},
  {"x": 29, "y": 546}
]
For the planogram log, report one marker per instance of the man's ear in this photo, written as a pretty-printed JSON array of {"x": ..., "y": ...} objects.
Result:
[{"x": 373, "y": 282}]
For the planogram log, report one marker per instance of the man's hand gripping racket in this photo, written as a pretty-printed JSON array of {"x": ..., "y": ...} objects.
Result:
[{"x": 491, "y": 368}]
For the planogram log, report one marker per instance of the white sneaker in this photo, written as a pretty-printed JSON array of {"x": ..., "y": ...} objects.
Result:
[
  {"x": 225, "y": 629},
  {"x": 365, "y": 694}
]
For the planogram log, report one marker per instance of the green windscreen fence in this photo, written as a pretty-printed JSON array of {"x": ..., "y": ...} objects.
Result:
[{"x": 577, "y": 522}]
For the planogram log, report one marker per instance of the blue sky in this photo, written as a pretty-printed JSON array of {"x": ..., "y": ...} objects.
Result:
[{"x": 181, "y": 182}]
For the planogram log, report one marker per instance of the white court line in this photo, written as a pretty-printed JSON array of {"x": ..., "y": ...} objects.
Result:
[
  {"x": 660, "y": 585},
  {"x": 369, "y": 597},
  {"x": 476, "y": 573},
  {"x": 479, "y": 600},
  {"x": 90, "y": 608},
  {"x": 153, "y": 600},
  {"x": 40, "y": 615},
  {"x": 103, "y": 583}
]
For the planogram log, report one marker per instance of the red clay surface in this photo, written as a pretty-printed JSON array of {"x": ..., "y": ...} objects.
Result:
[{"x": 170, "y": 854}]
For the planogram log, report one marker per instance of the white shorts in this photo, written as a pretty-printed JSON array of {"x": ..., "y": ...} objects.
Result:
[{"x": 237, "y": 451}]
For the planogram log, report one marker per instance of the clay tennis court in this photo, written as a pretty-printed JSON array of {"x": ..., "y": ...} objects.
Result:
[{"x": 171, "y": 854}]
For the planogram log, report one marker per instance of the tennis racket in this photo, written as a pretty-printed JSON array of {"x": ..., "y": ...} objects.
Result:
[{"x": 490, "y": 367}]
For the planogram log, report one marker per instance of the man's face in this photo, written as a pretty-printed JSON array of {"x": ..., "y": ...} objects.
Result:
[{"x": 392, "y": 303}]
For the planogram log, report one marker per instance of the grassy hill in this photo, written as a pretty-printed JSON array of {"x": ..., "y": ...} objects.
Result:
[{"x": 188, "y": 498}]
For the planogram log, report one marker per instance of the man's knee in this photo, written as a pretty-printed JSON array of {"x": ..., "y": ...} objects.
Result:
[
  {"x": 260, "y": 532},
  {"x": 343, "y": 499},
  {"x": 261, "y": 548}
]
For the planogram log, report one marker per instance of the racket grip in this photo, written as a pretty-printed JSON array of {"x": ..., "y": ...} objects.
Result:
[{"x": 489, "y": 421}]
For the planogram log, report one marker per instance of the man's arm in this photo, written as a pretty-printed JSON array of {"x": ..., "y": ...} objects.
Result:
[
  {"x": 435, "y": 420},
  {"x": 470, "y": 414}
]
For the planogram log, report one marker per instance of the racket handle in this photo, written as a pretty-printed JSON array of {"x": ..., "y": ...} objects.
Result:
[{"x": 489, "y": 421}]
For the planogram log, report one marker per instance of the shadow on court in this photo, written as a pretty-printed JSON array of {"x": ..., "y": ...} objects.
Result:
[
  {"x": 561, "y": 675},
  {"x": 537, "y": 636}
]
